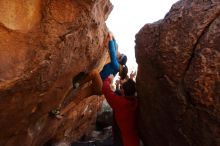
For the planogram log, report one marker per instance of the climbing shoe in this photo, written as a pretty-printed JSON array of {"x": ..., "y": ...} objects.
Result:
[
  {"x": 55, "y": 113},
  {"x": 76, "y": 85},
  {"x": 59, "y": 117}
]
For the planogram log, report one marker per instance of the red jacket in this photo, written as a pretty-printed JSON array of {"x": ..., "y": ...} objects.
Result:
[{"x": 125, "y": 114}]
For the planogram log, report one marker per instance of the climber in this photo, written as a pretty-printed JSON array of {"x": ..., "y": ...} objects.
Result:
[
  {"x": 117, "y": 64},
  {"x": 125, "y": 109}
]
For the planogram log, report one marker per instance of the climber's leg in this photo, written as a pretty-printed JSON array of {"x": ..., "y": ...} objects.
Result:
[{"x": 96, "y": 82}]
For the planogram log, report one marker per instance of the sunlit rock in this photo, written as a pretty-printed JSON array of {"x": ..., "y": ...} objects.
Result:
[{"x": 43, "y": 45}]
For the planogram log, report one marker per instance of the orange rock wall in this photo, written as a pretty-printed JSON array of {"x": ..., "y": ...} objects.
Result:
[{"x": 43, "y": 45}]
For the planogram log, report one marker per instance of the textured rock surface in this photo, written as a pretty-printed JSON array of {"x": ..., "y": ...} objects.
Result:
[
  {"x": 178, "y": 76},
  {"x": 43, "y": 45}
]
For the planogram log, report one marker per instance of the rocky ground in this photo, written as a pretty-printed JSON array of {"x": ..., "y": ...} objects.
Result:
[{"x": 102, "y": 134}]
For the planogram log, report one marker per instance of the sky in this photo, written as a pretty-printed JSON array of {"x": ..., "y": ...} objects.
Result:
[{"x": 129, "y": 16}]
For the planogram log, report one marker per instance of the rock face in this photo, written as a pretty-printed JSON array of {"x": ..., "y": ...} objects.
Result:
[
  {"x": 178, "y": 76},
  {"x": 43, "y": 45}
]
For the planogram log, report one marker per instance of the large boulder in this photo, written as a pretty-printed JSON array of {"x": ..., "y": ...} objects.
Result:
[
  {"x": 43, "y": 45},
  {"x": 178, "y": 77}
]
